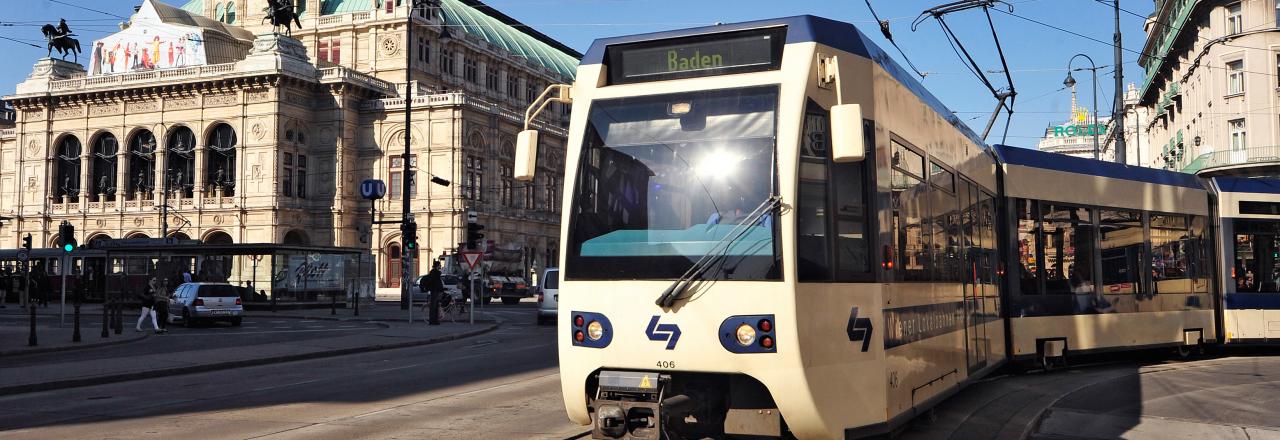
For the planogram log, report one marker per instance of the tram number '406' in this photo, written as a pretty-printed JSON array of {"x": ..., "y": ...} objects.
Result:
[{"x": 667, "y": 364}]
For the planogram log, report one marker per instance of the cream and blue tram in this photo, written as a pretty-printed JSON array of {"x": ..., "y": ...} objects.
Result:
[
  {"x": 1248, "y": 235},
  {"x": 1102, "y": 256},
  {"x": 770, "y": 229}
]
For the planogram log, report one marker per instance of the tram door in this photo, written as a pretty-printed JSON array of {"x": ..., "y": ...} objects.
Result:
[{"x": 977, "y": 344}]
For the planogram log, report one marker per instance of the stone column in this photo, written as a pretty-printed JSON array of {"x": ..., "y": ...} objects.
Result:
[
  {"x": 197, "y": 172},
  {"x": 158, "y": 177},
  {"x": 86, "y": 168},
  {"x": 502, "y": 83},
  {"x": 522, "y": 85},
  {"x": 122, "y": 175},
  {"x": 457, "y": 62}
]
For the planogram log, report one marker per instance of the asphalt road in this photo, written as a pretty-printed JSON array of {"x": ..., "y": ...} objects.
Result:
[
  {"x": 500, "y": 385},
  {"x": 253, "y": 331}
]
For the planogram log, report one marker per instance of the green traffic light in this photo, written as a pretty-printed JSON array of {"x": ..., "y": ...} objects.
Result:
[{"x": 68, "y": 247}]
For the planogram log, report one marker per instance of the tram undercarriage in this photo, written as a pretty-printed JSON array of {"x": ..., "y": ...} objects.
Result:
[{"x": 650, "y": 405}]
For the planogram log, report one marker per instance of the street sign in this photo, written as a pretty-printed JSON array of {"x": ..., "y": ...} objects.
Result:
[
  {"x": 471, "y": 259},
  {"x": 472, "y": 217},
  {"x": 22, "y": 255},
  {"x": 373, "y": 189}
]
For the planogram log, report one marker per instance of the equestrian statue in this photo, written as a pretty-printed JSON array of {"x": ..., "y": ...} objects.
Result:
[
  {"x": 281, "y": 13},
  {"x": 59, "y": 37}
]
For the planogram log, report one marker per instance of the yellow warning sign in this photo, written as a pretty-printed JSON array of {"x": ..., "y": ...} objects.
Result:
[{"x": 644, "y": 382}]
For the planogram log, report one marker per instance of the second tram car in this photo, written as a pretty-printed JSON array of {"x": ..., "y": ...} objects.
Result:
[{"x": 1249, "y": 257}]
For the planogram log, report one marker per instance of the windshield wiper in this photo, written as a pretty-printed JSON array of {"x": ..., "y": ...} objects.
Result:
[{"x": 715, "y": 253}]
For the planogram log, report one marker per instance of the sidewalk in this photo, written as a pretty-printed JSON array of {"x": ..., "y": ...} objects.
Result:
[
  {"x": 382, "y": 311},
  {"x": 15, "y": 331},
  {"x": 48, "y": 376}
]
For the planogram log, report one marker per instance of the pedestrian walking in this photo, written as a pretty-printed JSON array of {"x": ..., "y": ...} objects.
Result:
[
  {"x": 162, "y": 310},
  {"x": 148, "y": 300}
]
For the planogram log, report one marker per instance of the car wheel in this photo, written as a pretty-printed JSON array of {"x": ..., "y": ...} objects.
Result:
[
  {"x": 510, "y": 301},
  {"x": 235, "y": 322},
  {"x": 187, "y": 320}
]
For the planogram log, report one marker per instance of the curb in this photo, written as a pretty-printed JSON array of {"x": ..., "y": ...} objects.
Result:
[
  {"x": 353, "y": 319},
  {"x": 44, "y": 350},
  {"x": 201, "y": 368}
]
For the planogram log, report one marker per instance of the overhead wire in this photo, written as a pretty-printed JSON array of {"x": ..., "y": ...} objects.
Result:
[{"x": 884, "y": 30}]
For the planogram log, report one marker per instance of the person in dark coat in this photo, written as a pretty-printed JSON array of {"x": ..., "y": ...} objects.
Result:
[
  {"x": 161, "y": 310},
  {"x": 147, "y": 298},
  {"x": 434, "y": 285}
]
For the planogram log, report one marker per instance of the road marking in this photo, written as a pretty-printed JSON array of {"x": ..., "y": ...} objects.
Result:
[
  {"x": 271, "y": 331},
  {"x": 286, "y": 385}
]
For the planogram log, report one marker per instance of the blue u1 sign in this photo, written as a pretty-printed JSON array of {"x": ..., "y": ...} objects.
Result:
[{"x": 373, "y": 189}]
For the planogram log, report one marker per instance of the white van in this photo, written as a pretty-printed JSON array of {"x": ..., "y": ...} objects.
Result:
[{"x": 548, "y": 295}]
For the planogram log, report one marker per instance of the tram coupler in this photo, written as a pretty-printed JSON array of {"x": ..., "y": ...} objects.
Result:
[{"x": 628, "y": 405}]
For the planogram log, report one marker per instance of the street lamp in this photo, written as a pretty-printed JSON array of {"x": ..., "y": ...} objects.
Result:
[{"x": 1071, "y": 82}]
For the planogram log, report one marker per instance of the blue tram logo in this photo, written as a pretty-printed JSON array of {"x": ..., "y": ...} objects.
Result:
[
  {"x": 859, "y": 329},
  {"x": 663, "y": 332}
]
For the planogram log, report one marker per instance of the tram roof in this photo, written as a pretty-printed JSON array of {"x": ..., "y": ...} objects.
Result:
[
  {"x": 1248, "y": 185},
  {"x": 804, "y": 29},
  {"x": 1027, "y": 157}
]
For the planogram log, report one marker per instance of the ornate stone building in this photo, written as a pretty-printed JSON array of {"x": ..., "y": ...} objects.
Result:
[
  {"x": 1210, "y": 87},
  {"x": 250, "y": 137}
]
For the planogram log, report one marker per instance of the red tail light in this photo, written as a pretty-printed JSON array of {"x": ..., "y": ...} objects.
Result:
[
  {"x": 578, "y": 336},
  {"x": 198, "y": 302},
  {"x": 765, "y": 325},
  {"x": 539, "y": 297},
  {"x": 766, "y": 342},
  {"x": 238, "y": 302},
  {"x": 887, "y": 262}
]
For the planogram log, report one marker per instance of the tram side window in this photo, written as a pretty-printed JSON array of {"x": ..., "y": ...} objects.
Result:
[
  {"x": 970, "y": 245},
  {"x": 812, "y": 253},
  {"x": 987, "y": 261},
  {"x": 910, "y": 209},
  {"x": 1068, "y": 249},
  {"x": 822, "y": 254},
  {"x": 1198, "y": 255},
  {"x": 1169, "y": 254},
  {"x": 946, "y": 224},
  {"x": 1122, "y": 251},
  {"x": 1028, "y": 260}
]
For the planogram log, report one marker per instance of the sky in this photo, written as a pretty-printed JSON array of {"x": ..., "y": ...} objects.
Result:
[{"x": 1037, "y": 54}]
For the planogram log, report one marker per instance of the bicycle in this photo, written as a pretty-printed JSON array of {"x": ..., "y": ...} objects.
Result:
[{"x": 451, "y": 309}]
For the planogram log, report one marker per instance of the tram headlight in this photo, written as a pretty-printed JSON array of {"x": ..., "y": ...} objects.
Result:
[
  {"x": 595, "y": 331},
  {"x": 746, "y": 335}
]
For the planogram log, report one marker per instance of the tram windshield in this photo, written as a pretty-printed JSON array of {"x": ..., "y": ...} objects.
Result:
[{"x": 662, "y": 180}]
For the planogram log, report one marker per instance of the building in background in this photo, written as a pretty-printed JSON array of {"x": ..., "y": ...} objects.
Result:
[
  {"x": 1075, "y": 137},
  {"x": 254, "y": 138},
  {"x": 1210, "y": 87}
]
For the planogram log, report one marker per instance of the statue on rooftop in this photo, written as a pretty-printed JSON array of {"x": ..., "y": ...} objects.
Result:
[
  {"x": 59, "y": 37},
  {"x": 281, "y": 13}
]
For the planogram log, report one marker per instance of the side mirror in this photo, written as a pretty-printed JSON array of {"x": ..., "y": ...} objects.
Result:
[
  {"x": 527, "y": 155},
  {"x": 847, "y": 142}
]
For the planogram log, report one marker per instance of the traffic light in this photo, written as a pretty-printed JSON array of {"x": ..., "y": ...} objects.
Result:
[
  {"x": 67, "y": 232},
  {"x": 473, "y": 234},
  {"x": 26, "y": 242},
  {"x": 411, "y": 237}
]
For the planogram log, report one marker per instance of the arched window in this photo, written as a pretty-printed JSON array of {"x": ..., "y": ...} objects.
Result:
[
  {"x": 392, "y": 274},
  {"x": 181, "y": 157},
  {"x": 103, "y": 177},
  {"x": 220, "y": 13},
  {"x": 67, "y": 177},
  {"x": 142, "y": 165},
  {"x": 296, "y": 238},
  {"x": 231, "y": 12},
  {"x": 220, "y": 168}
]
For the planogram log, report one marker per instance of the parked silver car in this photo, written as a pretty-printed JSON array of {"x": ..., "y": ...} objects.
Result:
[
  {"x": 548, "y": 295},
  {"x": 194, "y": 302}
]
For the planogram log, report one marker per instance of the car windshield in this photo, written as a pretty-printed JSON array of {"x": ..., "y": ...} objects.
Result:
[
  {"x": 449, "y": 279},
  {"x": 217, "y": 291},
  {"x": 663, "y": 179}
]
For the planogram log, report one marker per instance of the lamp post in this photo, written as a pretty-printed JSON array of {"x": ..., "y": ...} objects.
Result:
[{"x": 1071, "y": 82}]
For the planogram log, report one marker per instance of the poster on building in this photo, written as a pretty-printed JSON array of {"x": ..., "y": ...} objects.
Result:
[
  {"x": 313, "y": 272},
  {"x": 147, "y": 46}
]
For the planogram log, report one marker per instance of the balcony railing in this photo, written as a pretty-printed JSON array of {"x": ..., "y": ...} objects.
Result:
[{"x": 1228, "y": 158}]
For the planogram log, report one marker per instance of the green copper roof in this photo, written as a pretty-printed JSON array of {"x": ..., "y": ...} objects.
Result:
[
  {"x": 330, "y": 7},
  {"x": 508, "y": 37},
  {"x": 194, "y": 6},
  {"x": 497, "y": 31}
]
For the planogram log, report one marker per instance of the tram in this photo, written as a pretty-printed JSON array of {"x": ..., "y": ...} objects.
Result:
[
  {"x": 772, "y": 230},
  {"x": 1249, "y": 257}
]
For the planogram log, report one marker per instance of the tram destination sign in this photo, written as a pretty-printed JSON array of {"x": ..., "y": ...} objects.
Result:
[{"x": 703, "y": 55}]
